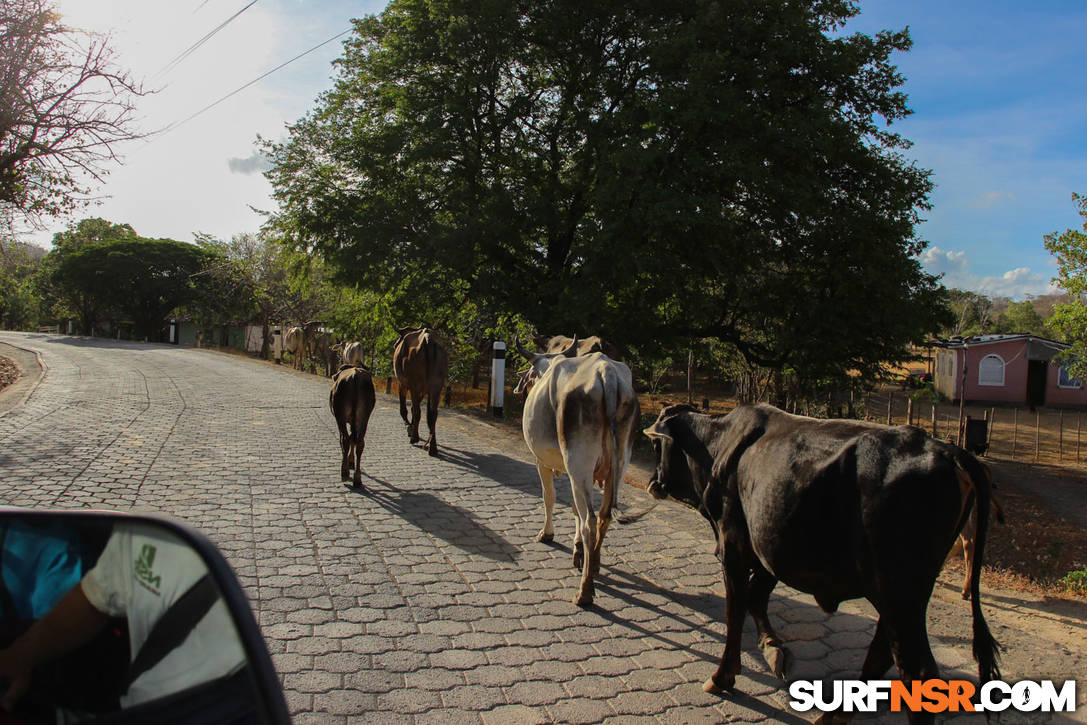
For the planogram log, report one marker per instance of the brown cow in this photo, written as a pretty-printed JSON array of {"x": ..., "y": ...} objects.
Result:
[
  {"x": 352, "y": 401},
  {"x": 586, "y": 346},
  {"x": 968, "y": 539},
  {"x": 321, "y": 348},
  {"x": 421, "y": 364}
]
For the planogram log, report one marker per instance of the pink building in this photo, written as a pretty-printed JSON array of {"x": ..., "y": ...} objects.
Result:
[{"x": 1017, "y": 369}]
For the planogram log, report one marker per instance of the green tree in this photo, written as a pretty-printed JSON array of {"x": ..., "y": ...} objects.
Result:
[
  {"x": 625, "y": 168},
  {"x": 142, "y": 280},
  {"x": 64, "y": 109},
  {"x": 62, "y": 301},
  {"x": 1021, "y": 317},
  {"x": 1069, "y": 320},
  {"x": 257, "y": 278},
  {"x": 19, "y": 305},
  {"x": 971, "y": 313}
]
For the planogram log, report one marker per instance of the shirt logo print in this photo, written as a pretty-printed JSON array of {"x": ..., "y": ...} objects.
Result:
[{"x": 144, "y": 574}]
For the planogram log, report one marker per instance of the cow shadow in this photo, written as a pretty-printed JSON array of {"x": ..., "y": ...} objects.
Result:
[
  {"x": 450, "y": 523},
  {"x": 505, "y": 470}
]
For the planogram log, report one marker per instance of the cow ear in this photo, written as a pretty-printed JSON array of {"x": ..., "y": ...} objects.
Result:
[{"x": 658, "y": 430}]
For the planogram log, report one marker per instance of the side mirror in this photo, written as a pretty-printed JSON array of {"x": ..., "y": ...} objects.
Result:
[{"x": 121, "y": 618}]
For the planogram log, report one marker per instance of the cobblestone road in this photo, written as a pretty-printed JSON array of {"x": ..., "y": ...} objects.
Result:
[{"x": 424, "y": 598}]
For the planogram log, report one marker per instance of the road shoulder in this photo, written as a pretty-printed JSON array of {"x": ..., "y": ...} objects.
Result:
[{"x": 30, "y": 372}]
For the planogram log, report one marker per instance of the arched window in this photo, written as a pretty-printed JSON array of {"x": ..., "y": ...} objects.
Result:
[{"x": 991, "y": 370}]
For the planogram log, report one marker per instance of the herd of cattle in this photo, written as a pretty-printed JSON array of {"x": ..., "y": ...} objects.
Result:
[{"x": 839, "y": 509}]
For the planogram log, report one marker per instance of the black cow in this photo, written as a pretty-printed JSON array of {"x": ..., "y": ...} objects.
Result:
[
  {"x": 839, "y": 509},
  {"x": 352, "y": 401}
]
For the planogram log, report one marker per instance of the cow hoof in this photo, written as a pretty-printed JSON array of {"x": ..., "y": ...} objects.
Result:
[
  {"x": 345, "y": 476},
  {"x": 545, "y": 538},
  {"x": 966, "y": 596},
  {"x": 778, "y": 658},
  {"x": 712, "y": 687},
  {"x": 432, "y": 449},
  {"x": 584, "y": 600}
]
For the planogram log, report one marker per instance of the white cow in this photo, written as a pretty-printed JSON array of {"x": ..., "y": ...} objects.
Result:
[
  {"x": 294, "y": 342},
  {"x": 580, "y": 418},
  {"x": 350, "y": 352}
]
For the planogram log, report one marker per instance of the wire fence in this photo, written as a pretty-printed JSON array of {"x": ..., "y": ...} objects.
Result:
[{"x": 1042, "y": 435}]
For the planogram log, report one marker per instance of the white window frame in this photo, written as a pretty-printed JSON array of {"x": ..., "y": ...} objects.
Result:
[
  {"x": 1003, "y": 366},
  {"x": 1074, "y": 385}
]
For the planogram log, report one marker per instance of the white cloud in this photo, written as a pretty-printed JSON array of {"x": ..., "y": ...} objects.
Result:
[
  {"x": 254, "y": 164},
  {"x": 993, "y": 198},
  {"x": 937, "y": 261},
  {"x": 955, "y": 269}
]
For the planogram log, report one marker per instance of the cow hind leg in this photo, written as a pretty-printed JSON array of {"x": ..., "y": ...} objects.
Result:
[
  {"x": 581, "y": 486},
  {"x": 345, "y": 448},
  {"x": 547, "y": 483},
  {"x": 967, "y": 562},
  {"x": 416, "y": 409},
  {"x": 909, "y": 646},
  {"x": 774, "y": 651},
  {"x": 876, "y": 663},
  {"x": 432, "y": 420},
  {"x": 403, "y": 403}
]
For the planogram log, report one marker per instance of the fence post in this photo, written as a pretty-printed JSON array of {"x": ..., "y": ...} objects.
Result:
[
  {"x": 989, "y": 428},
  {"x": 890, "y": 403},
  {"x": 690, "y": 374},
  {"x": 498, "y": 377},
  {"x": 1079, "y": 423},
  {"x": 868, "y": 405},
  {"x": 1060, "y": 437},
  {"x": 909, "y": 411},
  {"x": 1037, "y": 432},
  {"x": 1015, "y": 428},
  {"x": 934, "y": 420}
]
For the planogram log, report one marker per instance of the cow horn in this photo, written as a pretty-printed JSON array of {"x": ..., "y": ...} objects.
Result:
[
  {"x": 571, "y": 349},
  {"x": 521, "y": 350},
  {"x": 657, "y": 431}
]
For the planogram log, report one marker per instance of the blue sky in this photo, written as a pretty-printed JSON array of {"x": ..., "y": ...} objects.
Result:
[
  {"x": 1000, "y": 117},
  {"x": 997, "y": 88}
]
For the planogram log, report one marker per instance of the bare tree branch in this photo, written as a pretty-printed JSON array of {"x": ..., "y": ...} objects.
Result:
[{"x": 64, "y": 108}]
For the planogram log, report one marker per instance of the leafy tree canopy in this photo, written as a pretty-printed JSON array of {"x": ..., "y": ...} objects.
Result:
[
  {"x": 653, "y": 171},
  {"x": 142, "y": 280},
  {"x": 1069, "y": 320}
]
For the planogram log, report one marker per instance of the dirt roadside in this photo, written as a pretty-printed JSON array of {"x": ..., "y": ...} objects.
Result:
[{"x": 30, "y": 372}]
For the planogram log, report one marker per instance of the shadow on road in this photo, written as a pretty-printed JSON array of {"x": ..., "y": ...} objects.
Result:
[{"x": 439, "y": 518}]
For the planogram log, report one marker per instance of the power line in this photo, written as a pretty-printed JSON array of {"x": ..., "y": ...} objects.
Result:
[
  {"x": 192, "y": 48},
  {"x": 208, "y": 107}
]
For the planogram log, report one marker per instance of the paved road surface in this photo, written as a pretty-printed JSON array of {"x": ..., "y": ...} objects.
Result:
[{"x": 424, "y": 598}]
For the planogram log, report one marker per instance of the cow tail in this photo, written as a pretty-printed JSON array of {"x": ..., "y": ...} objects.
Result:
[
  {"x": 611, "y": 410},
  {"x": 986, "y": 649}
]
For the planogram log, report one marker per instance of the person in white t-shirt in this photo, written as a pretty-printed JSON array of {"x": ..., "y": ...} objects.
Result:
[{"x": 142, "y": 571}]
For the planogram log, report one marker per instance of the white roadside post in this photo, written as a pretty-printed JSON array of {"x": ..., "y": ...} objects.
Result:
[{"x": 498, "y": 377}]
